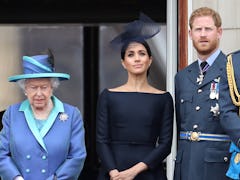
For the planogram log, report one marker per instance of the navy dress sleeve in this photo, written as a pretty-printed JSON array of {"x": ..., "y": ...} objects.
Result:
[
  {"x": 165, "y": 134},
  {"x": 103, "y": 138}
]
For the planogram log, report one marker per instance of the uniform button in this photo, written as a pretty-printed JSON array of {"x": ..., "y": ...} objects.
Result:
[
  {"x": 44, "y": 157},
  {"x": 182, "y": 100},
  {"x": 43, "y": 171},
  {"x": 225, "y": 159},
  {"x": 195, "y": 126},
  {"x": 27, "y": 170},
  {"x": 199, "y": 90},
  {"x": 28, "y": 156},
  {"x": 197, "y": 108}
]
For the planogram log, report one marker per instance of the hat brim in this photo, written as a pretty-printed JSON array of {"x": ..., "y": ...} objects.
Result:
[{"x": 61, "y": 76}]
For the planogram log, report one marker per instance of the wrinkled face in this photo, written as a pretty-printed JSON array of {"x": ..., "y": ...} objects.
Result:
[
  {"x": 205, "y": 35},
  {"x": 38, "y": 92},
  {"x": 136, "y": 60}
]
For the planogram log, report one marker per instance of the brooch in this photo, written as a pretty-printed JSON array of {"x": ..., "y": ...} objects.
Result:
[
  {"x": 215, "y": 110},
  {"x": 63, "y": 117},
  {"x": 200, "y": 79}
]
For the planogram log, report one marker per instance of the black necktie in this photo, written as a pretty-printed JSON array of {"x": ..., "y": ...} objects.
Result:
[{"x": 204, "y": 65}]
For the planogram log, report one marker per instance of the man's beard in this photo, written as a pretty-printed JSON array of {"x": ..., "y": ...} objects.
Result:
[{"x": 206, "y": 51}]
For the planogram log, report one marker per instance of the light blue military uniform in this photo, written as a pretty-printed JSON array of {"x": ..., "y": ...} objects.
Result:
[
  {"x": 202, "y": 152},
  {"x": 57, "y": 149},
  {"x": 230, "y": 116}
]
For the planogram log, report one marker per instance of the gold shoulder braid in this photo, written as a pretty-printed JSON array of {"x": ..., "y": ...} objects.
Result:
[
  {"x": 233, "y": 92},
  {"x": 232, "y": 83}
]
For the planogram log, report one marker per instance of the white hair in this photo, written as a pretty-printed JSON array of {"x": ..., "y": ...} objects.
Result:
[{"x": 54, "y": 82}]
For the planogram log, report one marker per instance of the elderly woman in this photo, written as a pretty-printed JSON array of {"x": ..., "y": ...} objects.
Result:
[{"x": 42, "y": 137}]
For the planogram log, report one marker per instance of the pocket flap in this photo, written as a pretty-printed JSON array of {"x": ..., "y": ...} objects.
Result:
[
  {"x": 216, "y": 155},
  {"x": 186, "y": 98}
]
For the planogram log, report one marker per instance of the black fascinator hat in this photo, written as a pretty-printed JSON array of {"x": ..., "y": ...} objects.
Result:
[{"x": 139, "y": 30}]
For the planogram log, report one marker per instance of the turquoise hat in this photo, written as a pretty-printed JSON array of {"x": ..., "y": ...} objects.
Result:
[{"x": 38, "y": 66}]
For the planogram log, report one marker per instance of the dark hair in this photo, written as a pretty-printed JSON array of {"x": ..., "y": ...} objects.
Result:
[{"x": 125, "y": 46}]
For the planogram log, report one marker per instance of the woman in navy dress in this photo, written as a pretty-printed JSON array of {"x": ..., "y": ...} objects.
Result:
[{"x": 135, "y": 120}]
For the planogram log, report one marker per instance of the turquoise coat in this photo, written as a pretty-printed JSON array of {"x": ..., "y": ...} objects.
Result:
[{"x": 58, "y": 149}]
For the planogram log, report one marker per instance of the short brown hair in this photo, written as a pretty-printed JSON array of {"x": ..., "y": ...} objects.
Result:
[{"x": 206, "y": 11}]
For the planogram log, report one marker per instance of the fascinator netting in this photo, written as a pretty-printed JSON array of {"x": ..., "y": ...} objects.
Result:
[{"x": 139, "y": 30}]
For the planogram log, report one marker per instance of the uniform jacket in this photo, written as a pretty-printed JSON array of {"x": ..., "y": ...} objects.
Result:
[
  {"x": 200, "y": 160},
  {"x": 229, "y": 115},
  {"x": 58, "y": 149}
]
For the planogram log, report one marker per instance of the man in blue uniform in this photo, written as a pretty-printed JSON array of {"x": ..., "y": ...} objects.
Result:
[
  {"x": 229, "y": 105},
  {"x": 203, "y": 145}
]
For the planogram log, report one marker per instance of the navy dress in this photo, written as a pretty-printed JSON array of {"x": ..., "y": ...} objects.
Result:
[{"x": 134, "y": 127}]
